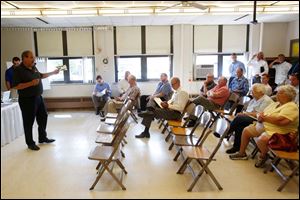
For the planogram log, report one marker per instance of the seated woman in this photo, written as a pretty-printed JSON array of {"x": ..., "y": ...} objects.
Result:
[
  {"x": 259, "y": 102},
  {"x": 279, "y": 117}
]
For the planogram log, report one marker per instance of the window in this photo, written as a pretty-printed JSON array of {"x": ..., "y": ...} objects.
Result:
[
  {"x": 144, "y": 68},
  {"x": 156, "y": 66},
  {"x": 208, "y": 60},
  {"x": 80, "y": 70},
  {"x": 129, "y": 64},
  {"x": 227, "y": 62}
]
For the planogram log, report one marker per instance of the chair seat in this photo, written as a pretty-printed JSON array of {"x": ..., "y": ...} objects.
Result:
[
  {"x": 110, "y": 121},
  {"x": 105, "y": 139},
  {"x": 111, "y": 115},
  {"x": 185, "y": 140},
  {"x": 196, "y": 152},
  {"x": 175, "y": 123},
  {"x": 286, "y": 155},
  {"x": 220, "y": 111},
  {"x": 229, "y": 117},
  {"x": 183, "y": 131},
  {"x": 102, "y": 153},
  {"x": 105, "y": 128}
]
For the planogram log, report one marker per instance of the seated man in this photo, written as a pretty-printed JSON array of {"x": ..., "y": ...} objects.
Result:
[
  {"x": 132, "y": 92},
  {"x": 265, "y": 81},
  {"x": 101, "y": 94},
  {"x": 259, "y": 102},
  {"x": 169, "y": 110},
  {"x": 239, "y": 84},
  {"x": 208, "y": 84},
  {"x": 216, "y": 97},
  {"x": 163, "y": 91}
]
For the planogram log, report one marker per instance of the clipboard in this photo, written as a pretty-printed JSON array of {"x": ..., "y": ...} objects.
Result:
[{"x": 158, "y": 101}]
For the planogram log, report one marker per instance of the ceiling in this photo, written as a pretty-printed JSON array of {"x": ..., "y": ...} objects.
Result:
[{"x": 137, "y": 20}]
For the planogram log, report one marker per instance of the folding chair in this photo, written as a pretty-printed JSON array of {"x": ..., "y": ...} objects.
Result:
[
  {"x": 182, "y": 131},
  {"x": 106, "y": 155},
  {"x": 192, "y": 140},
  {"x": 289, "y": 157},
  {"x": 203, "y": 156}
]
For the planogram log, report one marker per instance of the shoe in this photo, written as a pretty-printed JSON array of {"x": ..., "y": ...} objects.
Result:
[
  {"x": 101, "y": 114},
  {"x": 232, "y": 150},
  {"x": 102, "y": 119},
  {"x": 34, "y": 147},
  {"x": 217, "y": 135},
  {"x": 238, "y": 156},
  {"x": 47, "y": 140},
  {"x": 97, "y": 111},
  {"x": 191, "y": 123},
  {"x": 260, "y": 161},
  {"x": 143, "y": 135}
]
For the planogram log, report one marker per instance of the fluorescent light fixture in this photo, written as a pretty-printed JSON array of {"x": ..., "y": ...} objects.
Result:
[
  {"x": 219, "y": 9},
  {"x": 139, "y": 11},
  {"x": 84, "y": 12},
  {"x": 111, "y": 11},
  {"x": 276, "y": 9},
  {"x": 55, "y": 12},
  {"x": 62, "y": 116},
  {"x": 20, "y": 13}
]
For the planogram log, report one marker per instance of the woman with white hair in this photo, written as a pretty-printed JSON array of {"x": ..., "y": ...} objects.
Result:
[
  {"x": 259, "y": 102},
  {"x": 280, "y": 117}
]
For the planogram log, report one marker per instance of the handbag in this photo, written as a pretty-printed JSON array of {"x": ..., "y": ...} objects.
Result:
[{"x": 284, "y": 142}]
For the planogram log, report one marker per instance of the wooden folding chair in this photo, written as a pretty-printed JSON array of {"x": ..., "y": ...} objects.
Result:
[
  {"x": 192, "y": 140},
  {"x": 107, "y": 155},
  {"x": 183, "y": 130},
  {"x": 203, "y": 156},
  {"x": 292, "y": 158}
]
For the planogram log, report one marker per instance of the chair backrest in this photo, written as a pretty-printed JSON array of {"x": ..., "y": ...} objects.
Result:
[
  {"x": 221, "y": 127},
  {"x": 245, "y": 102},
  {"x": 128, "y": 104},
  {"x": 198, "y": 111},
  {"x": 206, "y": 120},
  {"x": 233, "y": 100},
  {"x": 118, "y": 130}
]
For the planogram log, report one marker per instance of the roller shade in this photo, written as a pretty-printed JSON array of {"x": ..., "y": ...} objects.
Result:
[
  {"x": 206, "y": 39},
  {"x": 50, "y": 43},
  {"x": 234, "y": 38},
  {"x": 79, "y": 43},
  {"x": 158, "y": 40},
  {"x": 129, "y": 40}
]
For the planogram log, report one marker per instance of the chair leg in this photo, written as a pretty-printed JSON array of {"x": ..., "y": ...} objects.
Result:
[
  {"x": 269, "y": 167},
  {"x": 160, "y": 124},
  {"x": 171, "y": 146},
  {"x": 114, "y": 177},
  {"x": 99, "y": 164},
  {"x": 122, "y": 153},
  {"x": 183, "y": 166},
  {"x": 207, "y": 170},
  {"x": 164, "y": 129},
  {"x": 195, "y": 180},
  {"x": 178, "y": 154},
  {"x": 121, "y": 165},
  {"x": 133, "y": 117},
  {"x": 168, "y": 137},
  {"x": 287, "y": 179},
  {"x": 98, "y": 178}
]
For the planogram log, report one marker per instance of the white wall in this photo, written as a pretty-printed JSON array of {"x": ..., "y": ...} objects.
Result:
[
  {"x": 292, "y": 33},
  {"x": 274, "y": 39},
  {"x": 13, "y": 43}
]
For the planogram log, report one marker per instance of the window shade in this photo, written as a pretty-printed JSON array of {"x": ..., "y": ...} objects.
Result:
[
  {"x": 49, "y": 43},
  {"x": 158, "y": 39},
  {"x": 129, "y": 40},
  {"x": 206, "y": 39},
  {"x": 79, "y": 43},
  {"x": 234, "y": 38}
]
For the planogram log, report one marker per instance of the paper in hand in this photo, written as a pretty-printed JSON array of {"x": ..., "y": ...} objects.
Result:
[
  {"x": 158, "y": 101},
  {"x": 62, "y": 68},
  {"x": 100, "y": 94}
]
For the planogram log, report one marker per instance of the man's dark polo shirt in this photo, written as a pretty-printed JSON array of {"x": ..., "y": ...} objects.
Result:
[{"x": 22, "y": 75}]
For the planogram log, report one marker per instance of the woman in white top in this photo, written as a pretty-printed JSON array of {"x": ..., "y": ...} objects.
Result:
[
  {"x": 254, "y": 65},
  {"x": 123, "y": 84}
]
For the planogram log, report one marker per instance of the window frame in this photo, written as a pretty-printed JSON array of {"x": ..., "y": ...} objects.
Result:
[
  {"x": 67, "y": 72},
  {"x": 144, "y": 77}
]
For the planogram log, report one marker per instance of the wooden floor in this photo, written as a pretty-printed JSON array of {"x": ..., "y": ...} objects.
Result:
[{"x": 62, "y": 169}]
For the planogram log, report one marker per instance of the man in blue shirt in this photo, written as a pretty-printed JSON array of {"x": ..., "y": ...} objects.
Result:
[
  {"x": 163, "y": 91},
  {"x": 100, "y": 95},
  {"x": 10, "y": 71},
  {"x": 234, "y": 65},
  {"x": 239, "y": 84}
]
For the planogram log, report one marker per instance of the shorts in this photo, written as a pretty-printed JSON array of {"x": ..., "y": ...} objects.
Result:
[{"x": 256, "y": 133}]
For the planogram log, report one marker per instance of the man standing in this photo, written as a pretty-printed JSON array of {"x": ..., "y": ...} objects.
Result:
[
  {"x": 169, "y": 110},
  {"x": 10, "y": 71},
  {"x": 27, "y": 80},
  {"x": 282, "y": 68},
  {"x": 255, "y": 64},
  {"x": 101, "y": 94},
  {"x": 234, "y": 65}
]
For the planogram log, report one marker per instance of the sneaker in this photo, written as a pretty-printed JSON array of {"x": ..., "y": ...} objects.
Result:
[
  {"x": 217, "y": 135},
  {"x": 260, "y": 161},
  {"x": 232, "y": 150},
  {"x": 102, "y": 119},
  {"x": 101, "y": 114},
  {"x": 238, "y": 156}
]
